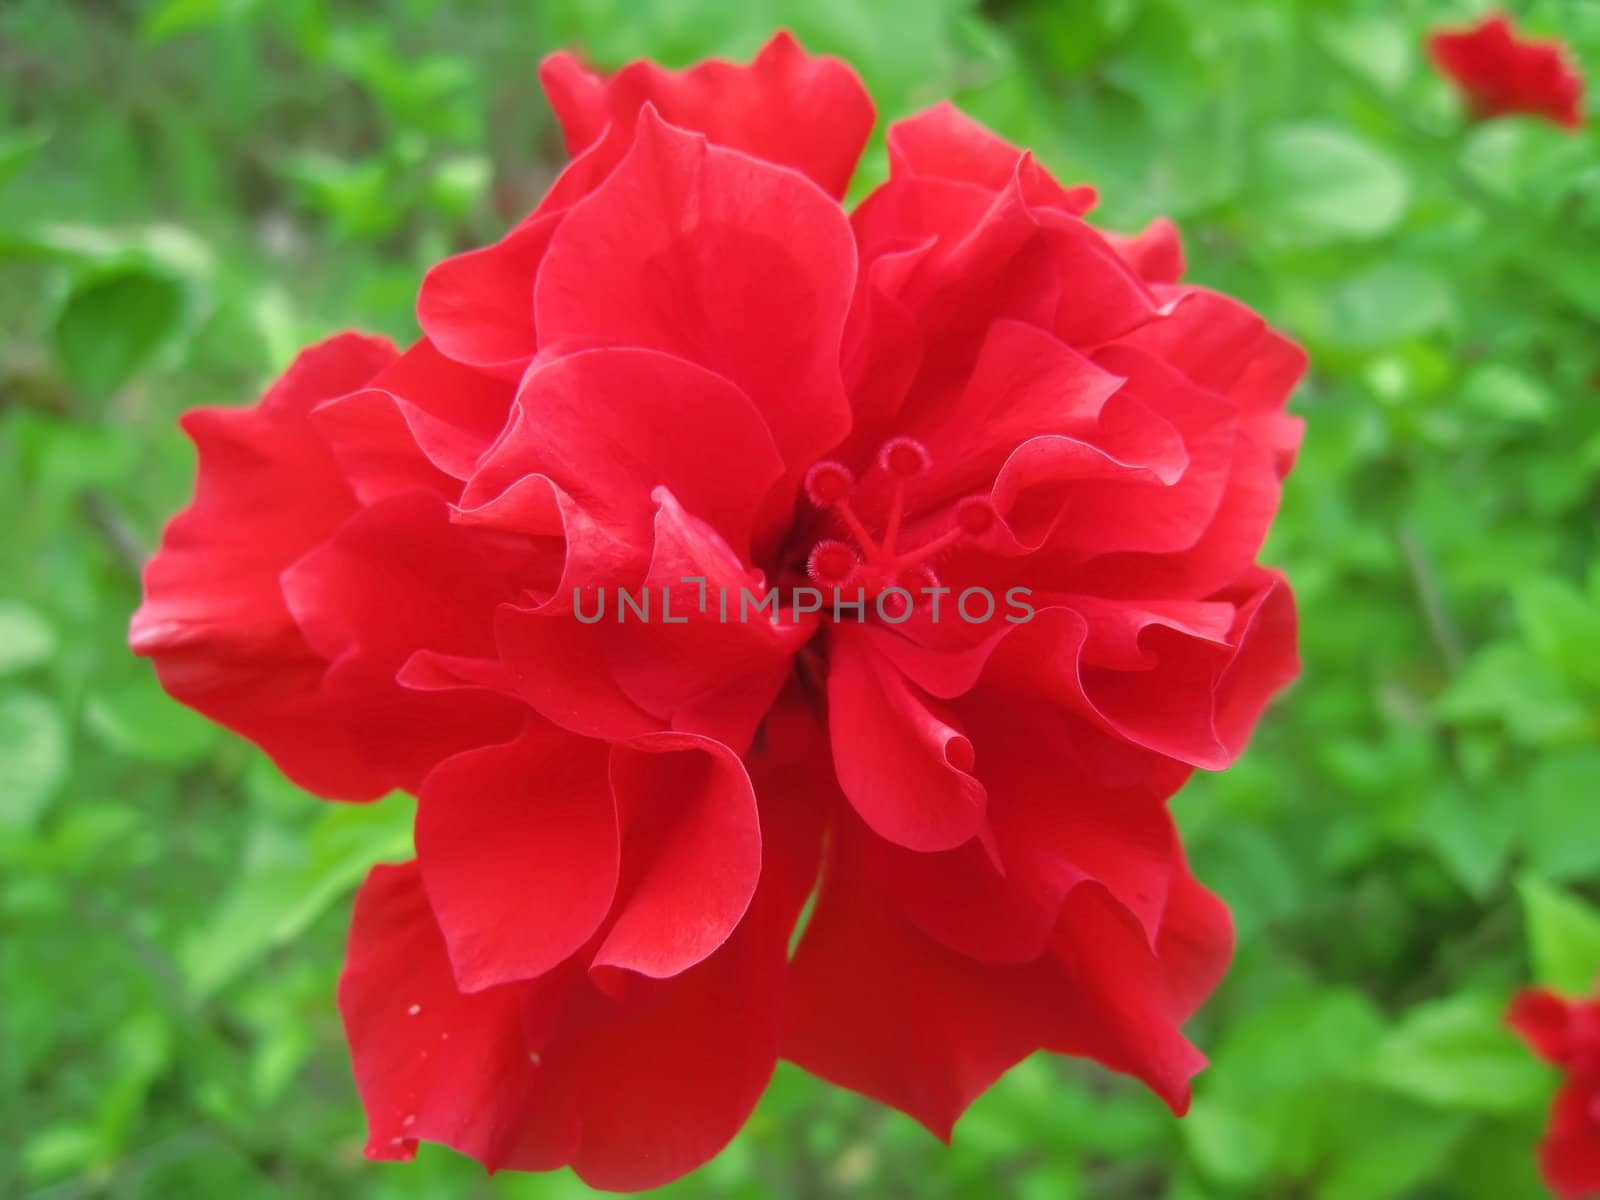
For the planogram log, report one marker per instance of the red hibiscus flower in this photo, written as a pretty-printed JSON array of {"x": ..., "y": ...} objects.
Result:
[
  {"x": 1567, "y": 1034},
  {"x": 1500, "y": 73},
  {"x": 995, "y": 484}
]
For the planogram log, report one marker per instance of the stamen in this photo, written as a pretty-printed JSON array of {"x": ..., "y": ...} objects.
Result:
[
  {"x": 876, "y": 563},
  {"x": 897, "y": 512},
  {"x": 829, "y": 482},
  {"x": 975, "y": 515},
  {"x": 904, "y": 457},
  {"x": 913, "y": 558},
  {"x": 898, "y": 606},
  {"x": 832, "y": 563}
]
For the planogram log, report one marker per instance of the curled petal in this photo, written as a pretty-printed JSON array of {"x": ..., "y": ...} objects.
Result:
[
  {"x": 944, "y": 143},
  {"x": 608, "y": 426},
  {"x": 713, "y": 661},
  {"x": 420, "y": 426},
  {"x": 1155, "y": 253},
  {"x": 560, "y": 668},
  {"x": 519, "y": 847},
  {"x": 1026, "y": 383},
  {"x": 632, "y": 1091},
  {"x": 397, "y": 578},
  {"x": 906, "y": 767},
  {"x": 694, "y": 843},
  {"x": 214, "y": 618},
  {"x": 477, "y": 307},
  {"x": 729, "y": 263},
  {"x": 1118, "y": 1010},
  {"x": 787, "y": 107},
  {"x": 1196, "y": 940}
]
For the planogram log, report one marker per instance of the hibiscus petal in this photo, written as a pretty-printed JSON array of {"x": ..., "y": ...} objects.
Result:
[
  {"x": 430, "y": 1061},
  {"x": 1544, "y": 1020},
  {"x": 397, "y": 578},
  {"x": 1222, "y": 553},
  {"x": 1155, "y": 253},
  {"x": 519, "y": 848},
  {"x": 1265, "y": 661},
  {"x": 633, "y": 1090},
  {"x": 904, "y": 766},
  {"x": 561, "y": 669},
  {"x": 694, "y": 848},
  {"x": 787, "y": 107},
  {"x": 1070, "y": 803},
  {"x": 1223, "y": 346},
  {"x": 1196, "y": 940},
  {"x": 382, "y": 444},
  {"x": 477, "y": 307},
  {"x": 214, "y": 618},
  {"x": 1025, "y": 384},
  {"x": 475, "y": 404},
  {"x": 608, "y": 426},
  {"x": 1164, "y": 688},
  {"x": 1118, "y": 1010},
  {"x": 944, "y": 143},
  {"x": 875, "y": 1006},
  {"x": 700, "y": 655},
  {"x": 664, "y": 1078},
  {"x": 1569, "y": 1154},
  {"x": 729, "y": 262},
  {"x": 1168, "y": 510},
  {"x": 962, "y": 900}
]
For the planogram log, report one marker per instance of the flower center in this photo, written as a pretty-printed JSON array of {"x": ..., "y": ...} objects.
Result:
[{"x": 876, "y": 561}]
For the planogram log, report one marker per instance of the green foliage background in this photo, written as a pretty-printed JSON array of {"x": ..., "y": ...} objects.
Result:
[{"x": 190, "y": 189}]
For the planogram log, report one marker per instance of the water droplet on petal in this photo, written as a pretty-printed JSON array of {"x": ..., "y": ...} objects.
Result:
[{"x": 413, "y": 1010}]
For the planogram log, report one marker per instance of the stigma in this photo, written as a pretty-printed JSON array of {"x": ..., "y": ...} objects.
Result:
[{"x": 874, "y": 560}]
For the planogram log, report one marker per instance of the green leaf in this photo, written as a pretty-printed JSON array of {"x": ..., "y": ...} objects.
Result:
[
  {"x": 1507, "y": 394},
  {"x": 1390, "y": 303},
  {"x": 1563, "y": 936},
  {"x": 1561, "y": 625},
  {"x": 139, "y": 720},
  {"x": 113, "y": 324},
  {"x": 1229, "y": 1146},
  {"x": 1322, "y": 183},
  {"x": 17, "y": 146},
  {"x": 26, "y": 640},
  {"x": 33, "y": 757},
  {"x": 1373, "y": 46},
  {"x": 1562, "y": 803},
  {"x": 1457, "y": 1053},
  {"x": 1471, "y": 832},
  {"x": 458, "y": 185},
  {"x": 61, "y": 1149},
  {"x": 1506, "y": 683},
  {"x": 173, "y": 17},
  {"x": 1249, "y": 870},
  {"x": 1387, "y": 1154}
]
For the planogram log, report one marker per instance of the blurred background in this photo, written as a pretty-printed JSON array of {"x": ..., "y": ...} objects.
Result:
[{"x": 191, "y": 189}]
